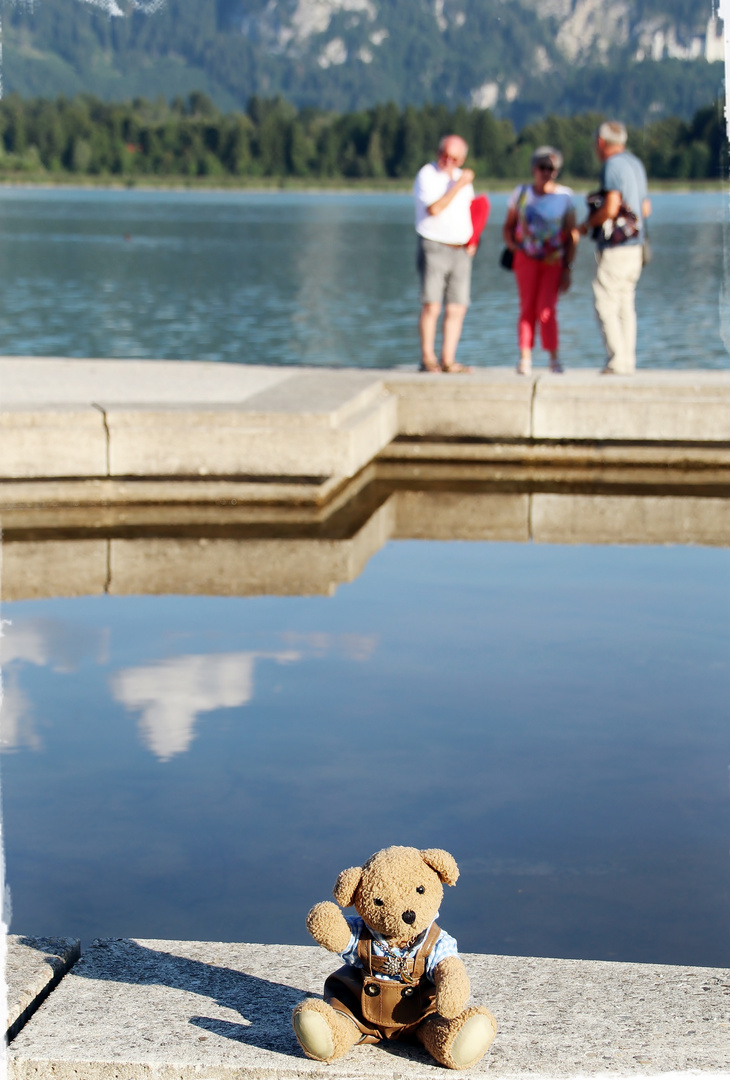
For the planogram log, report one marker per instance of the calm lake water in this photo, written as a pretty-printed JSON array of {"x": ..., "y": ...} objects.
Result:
[
  {"x": 308, "y": 279},
  {"x": 556, "y": 716}
]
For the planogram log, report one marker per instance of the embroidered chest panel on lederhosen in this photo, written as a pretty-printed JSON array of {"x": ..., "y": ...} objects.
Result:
[{"x": 396, "y": 1002}]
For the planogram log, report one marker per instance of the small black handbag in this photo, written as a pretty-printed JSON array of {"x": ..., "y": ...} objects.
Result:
[{"x": 507, "y": 258}]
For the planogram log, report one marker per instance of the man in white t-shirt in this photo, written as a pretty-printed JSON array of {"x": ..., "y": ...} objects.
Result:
[{"x": 443, "y": 194}]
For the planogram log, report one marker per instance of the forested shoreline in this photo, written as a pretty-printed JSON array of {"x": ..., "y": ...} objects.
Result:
[{"x": 191, "y": 139}]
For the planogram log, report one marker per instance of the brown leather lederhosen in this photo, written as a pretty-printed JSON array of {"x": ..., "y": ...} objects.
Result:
[{"x": 384, "y": 1008}]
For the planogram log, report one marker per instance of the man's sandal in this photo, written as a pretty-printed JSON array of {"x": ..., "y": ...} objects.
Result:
[{"x": 456, "y": 369}]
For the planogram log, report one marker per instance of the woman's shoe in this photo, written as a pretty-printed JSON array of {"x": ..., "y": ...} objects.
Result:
[
  {"x": 555, "y": 366},
  {"x": 524, "y": 366}
]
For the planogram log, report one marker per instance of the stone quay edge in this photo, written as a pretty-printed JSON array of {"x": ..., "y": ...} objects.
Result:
[
  {"x": 33, "y": 966},
  {"x": 125, "y": 430},
  {"x": 187, "y": 1010}
]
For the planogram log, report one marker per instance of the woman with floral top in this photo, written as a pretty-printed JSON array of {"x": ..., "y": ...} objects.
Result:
[{"x": 540, "y": 230}]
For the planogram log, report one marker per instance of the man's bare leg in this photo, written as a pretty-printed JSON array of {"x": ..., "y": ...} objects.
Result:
[
  {"x": 453, "y": 322},
  {"x": 427, "y": 332}
]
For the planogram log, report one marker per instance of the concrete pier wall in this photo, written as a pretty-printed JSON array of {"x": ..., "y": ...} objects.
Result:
[
  {"x": 125, "y": 426},
  {"x": 187, "y": 1010}
]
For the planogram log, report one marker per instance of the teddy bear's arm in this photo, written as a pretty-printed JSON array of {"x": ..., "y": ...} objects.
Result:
[
  {"x": 452, "y": 987},
  {"x": 329, "y": 927}
]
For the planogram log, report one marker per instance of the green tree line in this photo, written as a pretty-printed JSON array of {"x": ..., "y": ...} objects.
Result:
[{"x": 84, "y": 136}]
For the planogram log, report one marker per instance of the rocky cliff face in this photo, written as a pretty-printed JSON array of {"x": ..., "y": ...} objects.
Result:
[
  {"x": 592, "y": 29},
  {"x": 522, "y": 58}
]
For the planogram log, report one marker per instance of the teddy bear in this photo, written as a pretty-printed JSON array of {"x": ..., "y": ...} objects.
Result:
[{"x": 402, "y": 975}]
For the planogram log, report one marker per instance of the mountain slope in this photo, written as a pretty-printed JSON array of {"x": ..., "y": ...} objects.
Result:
[{"x": 522, "y": 58}]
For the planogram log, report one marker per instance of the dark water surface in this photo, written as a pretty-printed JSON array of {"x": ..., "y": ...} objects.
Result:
[
  {"x": 557, "y": 717},
  {"x": 308, "y": 279}
]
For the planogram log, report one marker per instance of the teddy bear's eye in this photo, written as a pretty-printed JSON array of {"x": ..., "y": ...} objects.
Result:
[
  {"x": 420, "y": 889},
  {"x": 378, "y": 903}
]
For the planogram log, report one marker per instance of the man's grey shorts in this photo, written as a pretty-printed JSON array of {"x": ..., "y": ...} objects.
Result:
[{"x": 445, "y": 273}]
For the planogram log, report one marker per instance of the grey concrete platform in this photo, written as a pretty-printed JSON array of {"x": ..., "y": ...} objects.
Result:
[
  {"x": 207, "y": 1011},
  {"x": 33, "y": 966},
  {"x": 113, "y": 431},
  {"x": 147, "y": 419}
]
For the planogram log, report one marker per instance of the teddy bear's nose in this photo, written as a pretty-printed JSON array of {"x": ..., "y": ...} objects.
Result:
[{"x": 409, "y": 917}]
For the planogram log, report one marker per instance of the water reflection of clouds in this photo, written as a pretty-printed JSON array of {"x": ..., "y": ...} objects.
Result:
[
  {"x": 359, "y": 647},
  {"x": 52, "y": 643},
  {"x": 168, "y": 694},
  {"x": 60, "y": 645},
  {"x": 172, "y": 694},
  {"x": 17, "y": 726}
]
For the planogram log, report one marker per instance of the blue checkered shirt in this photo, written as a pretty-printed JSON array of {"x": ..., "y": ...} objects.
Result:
[{"x": 445, "y": 946}]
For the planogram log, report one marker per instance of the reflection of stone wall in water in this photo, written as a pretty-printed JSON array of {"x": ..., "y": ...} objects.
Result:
[{"x": 318, "y": 566}]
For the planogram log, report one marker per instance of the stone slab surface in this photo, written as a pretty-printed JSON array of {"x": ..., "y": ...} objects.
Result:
[
  {"x": 655, "y": 406},
  {"x": 54, "y": 440},
  {"x": 76, "y": 418},
  {"x": 494, "y": 403},
  {"x": 33, "y": 966},
  {"x": 31, "y": 382},
  {"x": 128, "y": 418},
  {"x": 134, "y": 1008}
]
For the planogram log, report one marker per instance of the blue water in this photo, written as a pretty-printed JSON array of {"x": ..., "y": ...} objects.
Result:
[
  {"x": 309, "y": 279},
  {"x": 557, "y": 717}
]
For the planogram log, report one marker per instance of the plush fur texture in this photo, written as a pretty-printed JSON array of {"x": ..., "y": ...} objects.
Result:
[
  {"x": 343, "y": 1032},
  {"x": 439, "y": 1035},
  {"x": 393, "y": 883}
]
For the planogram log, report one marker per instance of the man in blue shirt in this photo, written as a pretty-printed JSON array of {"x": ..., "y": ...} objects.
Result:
[{"x": 620, "y": 240}]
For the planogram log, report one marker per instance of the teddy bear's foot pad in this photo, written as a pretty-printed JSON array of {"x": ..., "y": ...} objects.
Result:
[
  {"x": 314, "y": 1034},
  {"x": 473, "y": 1041}
]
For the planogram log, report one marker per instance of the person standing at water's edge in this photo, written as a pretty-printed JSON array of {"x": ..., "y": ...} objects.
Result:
[
  {"x": 540, "y": 231},
  {"x": 443, "y": 193},
  {"x": 618, "y": 224}
]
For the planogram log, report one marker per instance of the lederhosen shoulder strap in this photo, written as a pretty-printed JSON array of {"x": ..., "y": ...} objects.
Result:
[{"x": 410, "y": 969}]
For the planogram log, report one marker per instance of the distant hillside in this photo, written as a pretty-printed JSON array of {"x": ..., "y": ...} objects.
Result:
[{"x": 642, "y": 59}]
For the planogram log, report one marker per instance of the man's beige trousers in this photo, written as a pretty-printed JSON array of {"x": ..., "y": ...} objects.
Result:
[{"x": 614, "y": 291}]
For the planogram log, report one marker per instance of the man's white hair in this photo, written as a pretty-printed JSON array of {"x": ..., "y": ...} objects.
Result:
[{"x": 613, "y": 131}]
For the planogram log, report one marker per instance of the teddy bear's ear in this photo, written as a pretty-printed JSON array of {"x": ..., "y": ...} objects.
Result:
[
  {"x": 443, "y": 863},
  {"x": 346, "y": 884}
]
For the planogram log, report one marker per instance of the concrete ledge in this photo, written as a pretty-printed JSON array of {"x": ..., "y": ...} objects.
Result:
[
  {"x": 33, "y": 966},
  {"x": 64, "y": 418},
  {"x": 53, "y": 441},
  {"x": 660, "y": 406},
  {"x": 305, "y": 427},
  {"x": 177, "y": 1010},
  {"x": 487, "y": 405},
  {"x": 173, "y": 422}
]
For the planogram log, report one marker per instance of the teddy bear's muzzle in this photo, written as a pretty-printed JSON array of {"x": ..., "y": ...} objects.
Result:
[{"x": 409, "y": 917}]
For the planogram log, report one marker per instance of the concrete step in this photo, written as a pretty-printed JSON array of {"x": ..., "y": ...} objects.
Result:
[
  {"x": 176, "y": 1010},
  {"x": 33, "y": 966},
  {"x": 122, "y": 424},
  {"x": 182, "y": 420}
]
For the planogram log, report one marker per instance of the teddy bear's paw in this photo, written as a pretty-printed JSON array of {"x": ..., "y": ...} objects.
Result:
[
  {"x": 473, "y": 1039},
  {"x": 323, "y": 1033},
  {"x": 459, "y": 1043}
]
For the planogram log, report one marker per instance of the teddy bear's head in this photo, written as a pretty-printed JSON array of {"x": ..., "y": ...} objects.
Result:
[{"x": 398, "y": 891}]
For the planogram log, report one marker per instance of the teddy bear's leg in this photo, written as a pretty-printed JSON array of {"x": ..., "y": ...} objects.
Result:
[
  {"x": 459, "y": 1043},
  {"x": 323, "y": 1033}
]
